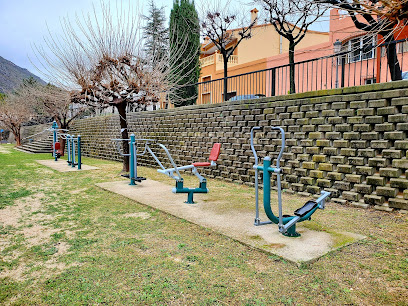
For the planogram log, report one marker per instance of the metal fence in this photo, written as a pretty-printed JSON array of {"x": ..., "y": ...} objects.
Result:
[{"x": 358, "y": 66}]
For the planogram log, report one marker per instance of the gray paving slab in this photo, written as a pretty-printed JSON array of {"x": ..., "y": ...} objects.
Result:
[
  {"x": 239, "y": 226},
  {"x": 62, "y": 165}
]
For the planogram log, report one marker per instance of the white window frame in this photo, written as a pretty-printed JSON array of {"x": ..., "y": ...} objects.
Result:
[{"x": 353, "y": 57}]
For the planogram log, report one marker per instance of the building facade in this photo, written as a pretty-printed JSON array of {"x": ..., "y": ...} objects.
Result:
[
  {"x": 250, "y": 55},
  {"x": 259, "y": 65}
]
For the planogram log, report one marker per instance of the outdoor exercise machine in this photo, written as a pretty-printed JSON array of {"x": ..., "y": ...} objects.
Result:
[
  {"x": 202, "y": 188},
  {"x": 173, "y": 172},
  {"x": 132, "y": 156},
  {"x": 73, "y": 150},
  {"x": 286, "y": 223},
  {"x": 57, "y": 151}
]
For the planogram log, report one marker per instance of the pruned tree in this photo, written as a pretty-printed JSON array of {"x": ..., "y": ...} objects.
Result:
[
  {"x": 101, "y": 57},
  {"x": 184, "y": 40},
  {"x": 15, "y": 109},
  {"x": 226, "y": 30},
  {"x": 292, "y": 19},
  {"x": 378, "y": 17}
]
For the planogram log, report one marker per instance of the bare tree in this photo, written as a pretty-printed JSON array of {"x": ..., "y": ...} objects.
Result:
[
  {"x": 226, "y": 30},
  {"x": 14, "y": 111},
  {"x": 57, "y": 103},
  {"x": 378, "y": 17},
  {"x": 103, "y": 59},
  {"x": 291, "y": 19}
]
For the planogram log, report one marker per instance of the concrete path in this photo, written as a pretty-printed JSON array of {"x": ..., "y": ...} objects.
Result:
[
  {"x": 62, "y": 165},
  {"x": 239, "y": 226}
]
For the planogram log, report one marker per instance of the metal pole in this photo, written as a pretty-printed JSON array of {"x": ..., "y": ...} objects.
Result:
[
  {"x": 54, "y": 140},
  {"x": 337, "y": 49},
  {"x": 68, "y": 138},
  {"x": 135, "y": 158},
  {"x": 73, "y": 151},
  {"x": 336, "y": 84},
  {"x": 280, "y": 225},
  {"x": 266, "y": 180},
  {"x": 278, "y": 180},
  {"x": 257, "y": 220},
  {"x": 132, "y": 160},
  {"x": 79, "y": 152}
]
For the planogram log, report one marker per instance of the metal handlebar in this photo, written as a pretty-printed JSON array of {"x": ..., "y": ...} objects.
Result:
[
  {"x": 169, "y": 157},
  {"x": 282, "y": 144},
  {"x": 252, "y": 143},
  {"x": 118, "y": 147}
]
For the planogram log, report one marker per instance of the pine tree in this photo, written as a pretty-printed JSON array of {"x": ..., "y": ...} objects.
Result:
[
  {"x": 185, "y": 37},
  {"x": 155, "y": 32}
]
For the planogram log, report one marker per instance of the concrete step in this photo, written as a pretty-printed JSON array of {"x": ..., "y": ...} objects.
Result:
[{"x": 39, "y": 146}]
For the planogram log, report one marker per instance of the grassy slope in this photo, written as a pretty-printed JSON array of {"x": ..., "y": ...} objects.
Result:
[{"x": 97, "y": 247}]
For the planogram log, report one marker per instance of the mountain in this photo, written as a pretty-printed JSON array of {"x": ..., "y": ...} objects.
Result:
[{"x": 12, "y": 75}]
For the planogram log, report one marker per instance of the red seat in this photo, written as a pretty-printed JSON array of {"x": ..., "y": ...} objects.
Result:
[
  {"x": 204, "y": 164},
  {"x": 57, "y": 146},
  {"x": 215, "y": 152}
]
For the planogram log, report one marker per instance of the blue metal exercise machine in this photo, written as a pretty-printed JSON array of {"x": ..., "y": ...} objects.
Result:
[
  {"x": 57, "y": 151},
  {"x": 132, "y": 156},
  {"x": 173, "y": 172},
  {"x": 73, "y": 150},
  {"x": 286, "y": 223}
]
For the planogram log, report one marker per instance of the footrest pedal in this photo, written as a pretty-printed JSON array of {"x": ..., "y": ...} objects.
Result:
[{"x": 305, "y": 209}]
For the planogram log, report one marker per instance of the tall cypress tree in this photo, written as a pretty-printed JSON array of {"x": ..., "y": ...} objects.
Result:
[
  {"x": 184, "y": 38},
  {"x": 155, "y": 32}
]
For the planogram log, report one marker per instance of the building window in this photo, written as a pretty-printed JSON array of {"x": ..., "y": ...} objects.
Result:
[
  {"x": 360, "y": 48},
  {"x": 206, "y": 86},
  {"x": 370, "y": 81}
]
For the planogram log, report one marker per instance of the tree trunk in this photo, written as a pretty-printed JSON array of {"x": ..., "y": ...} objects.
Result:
[
  {"x": 121, "y": 107},
  {"x": 63, "y": 140},
  {"x": 16, "y": 132},
  {"x": 225, "y": 77},
  {"x": 392, "y": 59},
  {"x": 292, "y": 67}
]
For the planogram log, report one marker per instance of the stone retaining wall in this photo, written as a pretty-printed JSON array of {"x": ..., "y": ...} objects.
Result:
[
  {"x": 351, "y": 142},
  {"x": 34, "y": 132}
]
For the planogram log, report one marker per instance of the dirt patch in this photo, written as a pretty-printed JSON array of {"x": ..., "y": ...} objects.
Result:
[
  {"x": 38, "y": 234},
  {"x": 11, "y": 215},
  {"x": 141, "y": 215},
  {"x": 62, "y": 248},
  {"x": 49, "y": 268},
  {"x": 44, "y": 171},
  {"x": 3, "y": 150},
  {"x": 78, "y": 191},
  {"x": 15, "y": 274}
]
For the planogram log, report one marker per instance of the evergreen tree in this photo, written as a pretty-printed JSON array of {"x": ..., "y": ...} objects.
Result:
[
  {"x": 184, "y": 33},
  {"x": 155, "y": 32}
]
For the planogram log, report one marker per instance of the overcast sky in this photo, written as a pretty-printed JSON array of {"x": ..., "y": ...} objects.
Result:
[{"x": 24, "y": 22}]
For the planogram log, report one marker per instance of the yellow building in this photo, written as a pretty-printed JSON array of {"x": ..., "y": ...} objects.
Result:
[{"x": 250, "y": 55}]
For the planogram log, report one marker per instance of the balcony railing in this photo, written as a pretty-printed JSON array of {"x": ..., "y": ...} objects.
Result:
[
  {"x": 233, "y": 59},
  {"x": 333, "y": 71},
  {"x": 209, "y": 60},
  {"x": 206, "y": 61}
]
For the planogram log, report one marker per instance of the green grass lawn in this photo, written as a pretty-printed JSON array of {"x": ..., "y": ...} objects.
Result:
[{"x": 65, "y": 241}]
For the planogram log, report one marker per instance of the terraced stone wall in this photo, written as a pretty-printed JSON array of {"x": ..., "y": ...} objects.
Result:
[
  {"x": 34, "y": 132},
  {"x": 351, "y": 142}
]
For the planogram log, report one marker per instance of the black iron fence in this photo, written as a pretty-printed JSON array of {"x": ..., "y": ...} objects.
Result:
[{"x": 356, "y": 66}]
